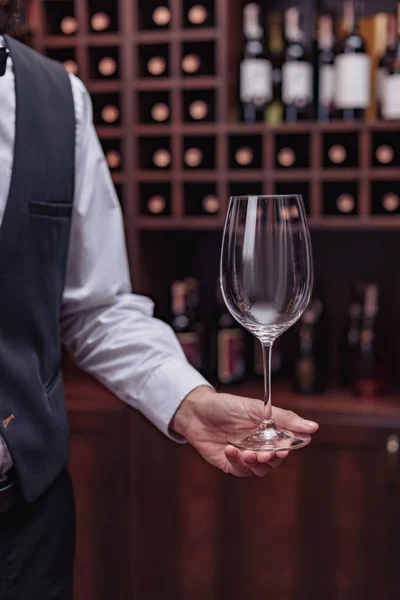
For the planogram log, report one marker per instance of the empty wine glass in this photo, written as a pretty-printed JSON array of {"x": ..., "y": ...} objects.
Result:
[{"x": 266, "y": 280}]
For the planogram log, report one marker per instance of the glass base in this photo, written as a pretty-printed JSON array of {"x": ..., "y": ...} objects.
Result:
[{"x": 269, "y": 438}]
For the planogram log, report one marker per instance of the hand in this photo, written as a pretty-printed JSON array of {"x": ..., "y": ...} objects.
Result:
[{"x": 206, "y": 418}]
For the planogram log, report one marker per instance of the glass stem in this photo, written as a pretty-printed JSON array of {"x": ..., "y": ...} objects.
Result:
[{"x": 267, "y": 351}]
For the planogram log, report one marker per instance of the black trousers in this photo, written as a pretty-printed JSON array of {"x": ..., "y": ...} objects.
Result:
[{"x": 37, "y": 544}]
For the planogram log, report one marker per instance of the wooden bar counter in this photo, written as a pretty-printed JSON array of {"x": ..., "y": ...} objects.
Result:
[{"x": 155, "y": 520}]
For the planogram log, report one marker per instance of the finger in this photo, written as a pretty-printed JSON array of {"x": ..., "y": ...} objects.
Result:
[
  {"x": 235, "y": 464},
  {"x": 263, "y": 457},
  {"x": 259, "y": 468},
  {"x": 289, "y": 420}
]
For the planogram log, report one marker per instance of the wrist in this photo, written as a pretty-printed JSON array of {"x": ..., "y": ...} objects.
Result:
[{"x": 180, "y": 423}]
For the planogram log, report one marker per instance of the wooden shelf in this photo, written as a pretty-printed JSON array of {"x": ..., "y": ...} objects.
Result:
[
  {"x": 181, "y": 224},
  {"x": 245, "y": 128},
  {"x": 316, "y": 223},
  {"x": 181, "y": 175},
  {"x": 335, "y": 406},
  {"x": 85, "y": 40},
  {"x": 170, "y": 83},
  {"x": 154, "y": 130},
  {"x": 104, "y": 87},
  {"x": 110, "y": 131},
  {"x": 119, "y": 177},
  {"x": 328, "y": 175},
  {"x": 206, "y": 34},
  {"x": 311, "y": 126}
]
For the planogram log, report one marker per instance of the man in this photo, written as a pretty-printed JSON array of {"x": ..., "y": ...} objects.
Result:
[{"x": 64, "y": 276}]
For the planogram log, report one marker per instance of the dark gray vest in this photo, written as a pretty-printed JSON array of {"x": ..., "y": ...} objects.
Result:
[{"x": 34, "y": 239}]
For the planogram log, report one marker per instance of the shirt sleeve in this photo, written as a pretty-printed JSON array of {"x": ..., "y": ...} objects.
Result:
[{"x": 111, "y": 331}]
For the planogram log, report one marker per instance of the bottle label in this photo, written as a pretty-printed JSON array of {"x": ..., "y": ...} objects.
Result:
[
  {"x": 297, "y": 83},
  {"x": 391, "y": 97},
  {"x": 231, "y": 364},
  {"x": 326, "y": 85},
  {"x": 256, "y": 81},
  {"x": 191, "y": 346},
  {"x": 352, "y": 81}
]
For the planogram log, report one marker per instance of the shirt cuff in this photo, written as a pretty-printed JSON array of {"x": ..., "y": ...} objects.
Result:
[{"x": 165, "y": 391}]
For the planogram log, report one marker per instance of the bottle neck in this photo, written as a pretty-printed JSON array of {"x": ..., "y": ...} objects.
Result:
[
  {"x": 252, "y": 22},
  {"x": 192, "y": 296},
  {"x": 293, "y": 32},
  {"x": 325, "y": 33},
  {"x": 370, "y": 306},
  {"x": 350, "y": 17},
  {"x": 275, "y": 37},
  {"x": 178, "y": 298},
  {"x": 391, "y": 32}
]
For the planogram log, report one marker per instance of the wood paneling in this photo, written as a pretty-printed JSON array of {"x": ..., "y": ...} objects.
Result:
[{"x": 154, "y": 519}]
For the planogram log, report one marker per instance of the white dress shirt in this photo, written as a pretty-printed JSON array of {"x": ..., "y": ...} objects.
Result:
[{"x": 111, "y": 331}]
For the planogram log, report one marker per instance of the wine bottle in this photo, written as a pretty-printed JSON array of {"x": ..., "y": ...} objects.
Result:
[
  {"x": 275, "y": 47},
  {"x": 390, "y": 202},
  {"x": 386, "y": 61},
  {"x": 113, "y": 158},
  {"x": 192, "y": 286},
  {"x": 160, "y": 112},
  {"x": 351, "y": 337},
  {"x": 384, "y": 154},
  {"x": 368, "y": 371},
  {"x": 107, "y": 66},
  {"x": 193, "y": 307},
  {"x": 162, "y": 158},
  {"x": 230, "y": 365},
  {"x": 244, "y": 156},
  {"x": 161, "y": 16},
  {"x": 191, "y": 63},
  {"x": 197, "y": 15},
  {"x": 156, "y": 204},
  {"x": 110, "y": 113},
  {"x": 286, "y": 157},
  {"x": 352, "y": 69},
  {"x": 198, "y": 110},
  {"x": 391, "y": 86},
  {"x": 71, "y": 66},
  {"x": 325, "y": 69},
  {"x": 193, "y": 157},
  {"x": 183, "y": 325},
  {"x": 256, "y": 89},
  {"x": 100, "y": 21},
  {"x": 297, "y": 71},
  {"x": 156, "y": 66},
  {"x": 210, "y": 204},
  {"x": 345, "y": 204},
  {"x": 69, "y": 25},
  {"x": 310, "y": 364}
]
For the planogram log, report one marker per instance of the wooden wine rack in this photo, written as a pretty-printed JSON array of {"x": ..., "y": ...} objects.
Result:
[
  {"x": 151, "y": 240},
  {"x": 128, "y": 41}
]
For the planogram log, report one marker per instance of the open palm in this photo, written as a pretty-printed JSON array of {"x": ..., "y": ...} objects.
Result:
[{"x": 213, "y": 417}]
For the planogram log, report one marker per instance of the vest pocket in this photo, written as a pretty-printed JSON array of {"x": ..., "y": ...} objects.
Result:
[{"x": 50, "y": 209}]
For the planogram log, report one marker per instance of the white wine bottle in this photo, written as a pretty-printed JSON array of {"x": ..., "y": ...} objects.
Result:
[{"x": 352, "y": 70}]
